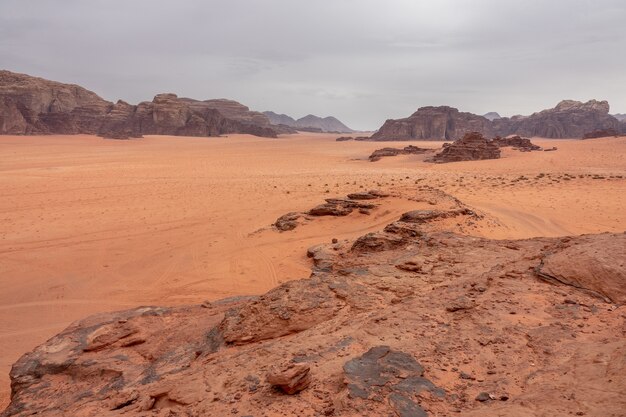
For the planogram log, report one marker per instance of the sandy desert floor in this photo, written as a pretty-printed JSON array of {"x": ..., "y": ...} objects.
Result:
[{"x": 92, "y": 225}]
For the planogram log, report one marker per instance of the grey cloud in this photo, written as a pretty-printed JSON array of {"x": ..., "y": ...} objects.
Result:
[{"x": 361, "y": 60}]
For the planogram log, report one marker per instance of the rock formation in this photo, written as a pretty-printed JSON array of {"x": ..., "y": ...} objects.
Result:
[
  {"x": 310, "y": 123},
  {"x": 569, "y": 119},
  {"x": 472, "y": 147},
  {"x": 378, "y": 154},
  {"x": 433, "y": 123},
  {"x": 516, "y": 142},
  {"x": 332, "y": 207},
  {"x": 34, "y": 106},
  {"x": 620, "y": 116},
  {"x": 31, "y": 105},
  {"x": 603, "y": 133},
  {"x": 409, "y": 321}
]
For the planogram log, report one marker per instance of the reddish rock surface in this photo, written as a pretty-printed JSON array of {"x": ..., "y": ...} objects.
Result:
[
  {"x": 517, "y": 142},
  {"x": 569, "y": 119},
  {"x": 378, "y": 154},
  {"x": 433, "y": 123},
  {"x": 413, "y": 320},
  {"x": 31, "y": 105},
  {"x": 603, "y": 133},
  {"x": 472, "y": 147}
]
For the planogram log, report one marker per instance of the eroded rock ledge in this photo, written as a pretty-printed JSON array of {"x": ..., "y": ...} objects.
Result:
[{"x": 428, "y": 323}]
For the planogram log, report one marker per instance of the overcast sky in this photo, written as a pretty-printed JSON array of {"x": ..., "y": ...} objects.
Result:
[{"x": 362, "y": 61}]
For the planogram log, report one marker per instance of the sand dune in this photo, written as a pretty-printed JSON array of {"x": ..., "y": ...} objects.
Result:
[{"x": 92, "y": 225}]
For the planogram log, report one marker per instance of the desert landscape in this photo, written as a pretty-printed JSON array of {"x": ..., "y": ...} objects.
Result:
[
  {"x": 94, "y": 225},
  {"x": 307, "y": 209}
]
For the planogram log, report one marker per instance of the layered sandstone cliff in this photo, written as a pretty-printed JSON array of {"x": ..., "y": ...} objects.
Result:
[
  {"x": 433, "y": 123},
  {"x": 569, "y": 119},
  {"x": 31, "y": 105}
]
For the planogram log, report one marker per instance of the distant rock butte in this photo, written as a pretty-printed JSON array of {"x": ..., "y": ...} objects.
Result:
[
  {"x": 35, "y": 106},
  {"x": 620, "y": 116},
  {"x": 310, "y": 123},
  {"x": 569, "y": 119},
  {"x": 433, "y": 123}
]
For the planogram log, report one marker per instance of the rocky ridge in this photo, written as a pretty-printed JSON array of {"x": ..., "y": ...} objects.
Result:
[
  {"x": 35, "y": 106},
  {"x": 413, "y": 320},
  {"x": 378, "y": 154},
  {"x": 569, "y": 119},
  {"x": 472, "y": 147}
]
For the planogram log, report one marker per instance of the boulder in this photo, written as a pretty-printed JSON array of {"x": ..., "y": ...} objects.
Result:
[
  {"x": 291, "y": 378},
  {"x": 472, "y": 147}
]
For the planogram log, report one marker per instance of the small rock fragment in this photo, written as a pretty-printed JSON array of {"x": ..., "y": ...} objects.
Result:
[{"x": 291, "y": 378}]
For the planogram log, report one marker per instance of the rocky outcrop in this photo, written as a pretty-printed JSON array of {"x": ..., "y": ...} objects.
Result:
[
  {"x": 569, "y": 119},
  {"x": 433, "y": 123},
  {"x": 620, "y": 116},
  {"x": 431, "y": 323},
  {"x": 472, "y": 147},
  {"x": 168, "y": 114},
  {"x": 30, "y": 105},
  {"x": 378, "y": 154},
  {"x": 34, "y": 106},
  {"x": 516, "y": 142},
  {"x": 603, "y": 133},
  {"x": 337, "y": 207},
  {"x": 310, "y": 123}
]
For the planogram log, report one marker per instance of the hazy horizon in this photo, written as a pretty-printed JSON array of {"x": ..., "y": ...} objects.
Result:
[{"x": 361, "y": 61}]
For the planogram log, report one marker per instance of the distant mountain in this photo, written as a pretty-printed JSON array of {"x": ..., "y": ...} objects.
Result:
[
  {"x": 35, "y": 106},
  {"x": 309, "y": 123},
  {"x": 491, "y": 116},
  {"x": 620, "y": 116},
  {"x": 280, "y": 119},
  {"x": 569, "y": 119}
]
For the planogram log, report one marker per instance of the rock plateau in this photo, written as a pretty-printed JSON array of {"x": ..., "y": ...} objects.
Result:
[{"x": 35, "y": 106}]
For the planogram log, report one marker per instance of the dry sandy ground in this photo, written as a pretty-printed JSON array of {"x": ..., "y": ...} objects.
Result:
[{"x": 91, "y": 225}]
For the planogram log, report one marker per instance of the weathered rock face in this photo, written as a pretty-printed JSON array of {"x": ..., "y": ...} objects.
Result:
[
  {"x": 472, "y": 147},
  {"x": 517, "y": 142},
  {"x": 378, "y": 154},
  {"x": 30, "y": 105},
  {"x": 433, "y": 123},
  {"x": 569, "y": 119},
  {"x": 434, "y": 324},
  {"x": 603, "y": 133}
]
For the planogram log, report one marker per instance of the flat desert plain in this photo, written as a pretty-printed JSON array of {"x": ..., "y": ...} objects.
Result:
[{"x": 92, "y": 225}]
